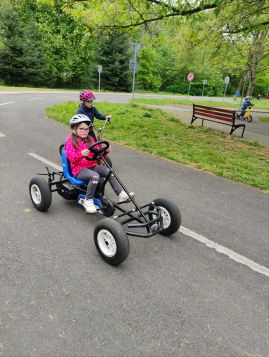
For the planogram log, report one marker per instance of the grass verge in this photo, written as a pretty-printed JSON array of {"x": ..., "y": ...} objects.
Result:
[
  {"x": 161, "y": 134},
  {"x": 264, "y": 120},
  {"x": 262, "y": 104}
]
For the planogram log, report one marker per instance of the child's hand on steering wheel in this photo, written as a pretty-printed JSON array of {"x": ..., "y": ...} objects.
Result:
[{"x": 85, "y": 152}]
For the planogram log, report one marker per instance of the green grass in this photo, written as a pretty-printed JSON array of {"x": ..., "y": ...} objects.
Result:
[
  {"x": 264, "y": 120},
  {"x": 161, "y": 134},
  {"x": 261, "y": 104}
]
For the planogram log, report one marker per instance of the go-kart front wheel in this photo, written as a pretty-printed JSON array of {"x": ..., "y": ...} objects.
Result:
[
  {"x": 111, "y": 241},
  {"x": 40, "y": 193},
  {"x": 170, "y": 214}
]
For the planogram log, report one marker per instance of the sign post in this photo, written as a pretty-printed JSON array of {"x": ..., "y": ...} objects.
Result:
[
  {"x": 190, "y": 78},
  {"x": 100, "y": 70},
  {"x": 133, "y": 65},
  {"x": 204, "y": 81},
  {"x": 226, "y": 81}
]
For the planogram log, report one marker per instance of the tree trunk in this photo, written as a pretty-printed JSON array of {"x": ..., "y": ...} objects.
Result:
[
  {"x": 241, "y": 82},
  {"x": 255, "y": 56}
]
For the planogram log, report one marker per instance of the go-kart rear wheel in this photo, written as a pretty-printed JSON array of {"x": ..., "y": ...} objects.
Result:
[
  {"x": 170, "y": 214},
  {"x": 111, "y": 241},
  {"x": 40, "y": 193}
]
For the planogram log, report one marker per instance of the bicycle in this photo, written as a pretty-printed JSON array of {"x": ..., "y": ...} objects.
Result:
[
  {"x": 99, "y": 136},
  {"x": 246, "y": 116}
]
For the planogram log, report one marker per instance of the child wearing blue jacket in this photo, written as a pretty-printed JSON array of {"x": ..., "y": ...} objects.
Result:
[{"x": 86, "y": 108}]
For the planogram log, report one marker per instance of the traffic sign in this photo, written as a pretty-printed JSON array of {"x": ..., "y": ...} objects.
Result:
[
  {"x": 227, "y": 80},
  {"x": 100, "y": 68},
  {"x": 190, "y": 76}
]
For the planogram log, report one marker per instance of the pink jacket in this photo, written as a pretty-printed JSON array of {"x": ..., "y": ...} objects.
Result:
[{"x": 77, "y": 160}]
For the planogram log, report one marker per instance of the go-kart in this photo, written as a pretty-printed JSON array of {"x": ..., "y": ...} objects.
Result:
[{"x": 110, "y": 234}]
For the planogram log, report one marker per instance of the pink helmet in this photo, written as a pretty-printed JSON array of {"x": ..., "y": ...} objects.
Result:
[{"x": 86, "y": 95}]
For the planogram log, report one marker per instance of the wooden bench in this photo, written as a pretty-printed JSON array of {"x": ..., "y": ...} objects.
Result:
[{"x": 217, "y": 115}]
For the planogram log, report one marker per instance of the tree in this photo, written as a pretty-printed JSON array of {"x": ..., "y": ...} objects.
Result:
[
  {"x": 69, "y": 48},
  {"x": 127, "y": 14},
  {"x": 148, "y": 75},
  {"x": 114, "y": 56},
  {"x": 21, "y": 55},
  {"x": 258, "y": 55}
]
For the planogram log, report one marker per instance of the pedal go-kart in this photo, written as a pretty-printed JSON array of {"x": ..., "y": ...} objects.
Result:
[{"x": 110, "y": 234}]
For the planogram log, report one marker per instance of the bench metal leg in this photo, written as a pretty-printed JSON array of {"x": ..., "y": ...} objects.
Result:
[
  {"x": 234, "y": 127},
  {"x": 193, "y": 118}
]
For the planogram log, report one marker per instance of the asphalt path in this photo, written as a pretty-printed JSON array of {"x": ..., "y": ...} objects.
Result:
[{"x": 202, "y": 292}]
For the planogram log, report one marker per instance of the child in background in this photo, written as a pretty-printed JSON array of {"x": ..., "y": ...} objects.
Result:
[{"x": 86, "y": 107}]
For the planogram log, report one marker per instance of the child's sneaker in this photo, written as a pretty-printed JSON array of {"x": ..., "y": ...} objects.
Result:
[
  {"x": 89, "y": 206},
  {"x": 123, "y": 197}
]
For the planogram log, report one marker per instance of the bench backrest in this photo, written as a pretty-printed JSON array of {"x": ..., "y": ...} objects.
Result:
[{"x": 218, "y": 114}]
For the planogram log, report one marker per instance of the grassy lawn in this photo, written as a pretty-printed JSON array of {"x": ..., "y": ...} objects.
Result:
[
  {"x": 259, "y": 104},
  {"x": 161, "y": 134},
  {"x": 264, "y": 120}
]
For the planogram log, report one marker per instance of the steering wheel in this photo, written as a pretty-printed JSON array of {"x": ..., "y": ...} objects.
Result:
[{"x": 97, "y": 151}]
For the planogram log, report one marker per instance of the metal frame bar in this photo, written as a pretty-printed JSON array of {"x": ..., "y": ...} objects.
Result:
[{"x": 135, "y": 214}]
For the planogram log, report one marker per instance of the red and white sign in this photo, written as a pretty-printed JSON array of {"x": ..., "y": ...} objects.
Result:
[{"x": 190, "y": 76}]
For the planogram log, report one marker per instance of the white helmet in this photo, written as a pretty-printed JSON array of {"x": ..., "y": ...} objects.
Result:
[{"x": 79, "y": 118}]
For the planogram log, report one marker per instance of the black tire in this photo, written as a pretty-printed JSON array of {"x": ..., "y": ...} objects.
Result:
[
  {"x": 108, "y": 208},
  {"x": 40, "y": 193},
  {"x": 171, "y": 216},
  {"x": 61, "y": 149},
  {"x": 249, "y": 118},
  {"x": 111, "y": 241}
]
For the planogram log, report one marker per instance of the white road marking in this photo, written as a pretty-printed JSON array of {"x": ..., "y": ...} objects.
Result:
[
  {"x": 226, "y": 251},
  {"x": 2, "y": 135},
  {"x": 39, "y": 98},
  {"x": 47, "y": 162},
  {"x": 209, "y": 243},
  {"x": 7, "y": 103}
]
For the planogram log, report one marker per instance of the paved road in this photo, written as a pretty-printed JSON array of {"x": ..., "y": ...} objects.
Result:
[{"x": 172, "y": 297}]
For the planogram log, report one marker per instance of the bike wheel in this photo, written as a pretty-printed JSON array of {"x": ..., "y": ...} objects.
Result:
[
  {"x": 249, "y": 118},
  {"x": 237, "y": 116}
]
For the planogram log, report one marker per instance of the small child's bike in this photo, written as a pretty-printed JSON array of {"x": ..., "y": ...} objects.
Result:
[
  {"x": 110, "y": 234},
  {"x": 246, "y": 116}
]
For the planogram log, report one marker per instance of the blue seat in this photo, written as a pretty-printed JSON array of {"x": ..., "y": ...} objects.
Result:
[{"x": 68, "y": 172}]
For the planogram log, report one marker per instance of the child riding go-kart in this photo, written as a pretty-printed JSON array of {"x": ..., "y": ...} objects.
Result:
[{"x": 110, "y": 234}]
